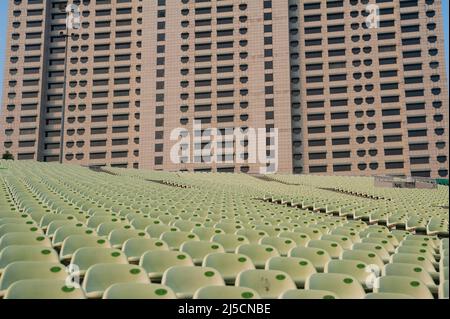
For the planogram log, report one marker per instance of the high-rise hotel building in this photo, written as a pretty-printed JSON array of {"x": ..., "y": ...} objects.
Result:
[{"x": 345, "y": 96}]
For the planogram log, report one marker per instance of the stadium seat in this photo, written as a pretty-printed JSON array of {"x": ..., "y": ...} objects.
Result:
[
  {"x": 156, "y": 262},
  {"x": 343, "y": 285},
  {"x": 134, "y": 248},
  {"x": 199, "y": 249},
  {"x": 101, "y": 276},
  {"x": 43, "y": 289},
  {"x": 229, "y": 241},
  {"x": 366, "y": 256},
  {"x": 415, "y": 259},
  {"x": 48, "y": 218},
  {"x": 355, "y": 268},
  {"x": 412, "y": 271},
  {"x": 308, "y": 294},
  {"x": 156, "y": 230},
  {"x": 269, "y": 284},
  {"x": 225, "y": 292},
  {"x": 65, "y": 231},
  {"x": 381, "y": 242},
  {"x": 282, "y": 245},
  {"x": 313, "y": 233},
  {"x": 21, "y": 270},
  {"x": 403, "y": 285},
  {"x": 15, "y": 253},
  {"x": 253, "y": 235},
  {"x": 297, "y": 268},
  {"x": 175, "y": 239},
  {"x": 118, "y": 236},
  {"x": 318, "y": 257},
  {"x": 333, "y": 248},
  {"x": 186, "y": 280},
  {"x": 74, "y": 242},
  {"x": 132, "y": 290},
  {"x": 206, "y": 233},
  {"x": 16, "y": 228},
  {"x": 28, "y": 239},
  {"x": 379, "y": 250},
  {"x": 86, "y": 257},
  {"x": 143, "y": 222},
  {"x": 389, "y": 237},
  {"x": 229, "y": 265},
  {"x": 258, "y": 253},
  {"x": 298, "y": 238}
]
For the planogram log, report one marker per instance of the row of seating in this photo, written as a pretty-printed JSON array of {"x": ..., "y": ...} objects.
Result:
[{"x": 236, "y": 226}]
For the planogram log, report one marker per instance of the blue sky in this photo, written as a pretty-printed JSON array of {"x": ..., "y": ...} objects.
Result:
[{"x": 4, "y": 18}]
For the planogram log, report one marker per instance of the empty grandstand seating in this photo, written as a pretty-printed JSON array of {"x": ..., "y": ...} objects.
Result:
[{"x": 136, "y": 234}]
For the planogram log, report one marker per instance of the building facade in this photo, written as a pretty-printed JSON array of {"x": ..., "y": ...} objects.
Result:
[{"x": 350, "y": 87}]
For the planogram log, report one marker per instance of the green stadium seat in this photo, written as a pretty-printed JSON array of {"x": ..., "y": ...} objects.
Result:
[
  {"x": 186, "y": 280},
  {"x": 54, "y": 225},
  {"x": 156, "y": 262},
  {"x": 368, "y": 257},
  {"x": 176, "y": 238},
  {"x": 89, "y": 256},
  {"x": 343, "y": 285},
  {"x": 415, "y": 259},
  {"x": 380, "y": 242},
  {"x": 252, "y": 235},
  {"x": 21, "y": 270},
  {"x": 28, "y": 239},
  {"x": 318, "y": 257},
  {"x": 48, "y": 218},
  {"x": 412, "y": 271},
  {"x": 105, "y": 229},
  {"x": 156, "y": 230},
  {"x": 229, "y": 265},
  {"x": 134, "y": 248},
  {"x": 143, "y": 222},
  {"x": 298, "y": 269},
  {"x": 344, "y": 241},
  {"x": 403, "y": 285},
  {"x": 15, "y": 253},
  {"x": 312, "y": 232},
  {"x": 269, "y": 284},
  {"x": 199, "y": 249},
  {"x": 298, "y": 238},
  {"x": 389, "y": 237},
  {"x": 355, "y": 268},
  {"x": 16, "y": 228},
  {"x": 308, "y": 294},
  {"x": 258, "y": 253},
  {"x": 98, "y": 219},
  {"x": 43, "y": 289},
  {"x": 74, "y": 242},
  {"x": 381, "y": 252},
  {"x": 282, "y": 245},
  {"x": 333, "y": 248},
  {"x": 17, "y": 220},
  {"x": 206, "y": 233},
  {"x": 100, "y": 277},
  {"x": 132, "y": 290},
  {"x": 65, "y": 231},
  {"x": 118, "y": 237},
  {"x": 225, "y": 292},
  {"x": 230, "y": 241}
]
